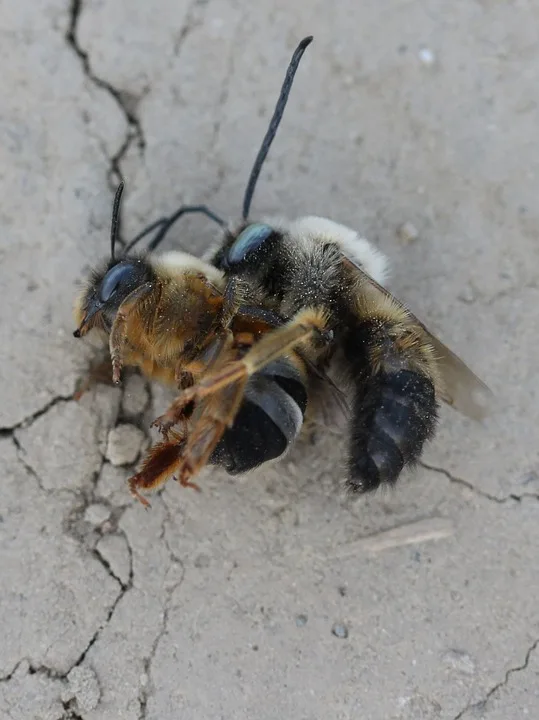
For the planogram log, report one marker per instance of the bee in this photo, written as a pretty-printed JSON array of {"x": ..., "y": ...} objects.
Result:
[{"x": 251, "y": 334}]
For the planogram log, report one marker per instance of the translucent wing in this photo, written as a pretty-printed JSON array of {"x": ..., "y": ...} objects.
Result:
[{"x": 463, "y": 390}]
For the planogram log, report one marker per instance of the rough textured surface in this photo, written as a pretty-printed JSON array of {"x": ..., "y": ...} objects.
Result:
[
  {"x": 272, "y": 595},
  {"x": 124, "y": 444}
]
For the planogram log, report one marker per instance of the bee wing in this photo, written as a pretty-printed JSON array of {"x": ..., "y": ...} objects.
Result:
[{"x": 463, "y": 390}]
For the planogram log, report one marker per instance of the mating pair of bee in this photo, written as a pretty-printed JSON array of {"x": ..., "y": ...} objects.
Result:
[{"x": 249, "y": 334}]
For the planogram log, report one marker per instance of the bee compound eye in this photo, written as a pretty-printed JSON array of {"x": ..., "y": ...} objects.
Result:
[
  {"x": 248, "y": 241},
  {"x": 117, "y": 275}
]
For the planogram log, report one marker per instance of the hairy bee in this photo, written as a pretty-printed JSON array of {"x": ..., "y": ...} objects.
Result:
[{"x": 248, "y": 334}]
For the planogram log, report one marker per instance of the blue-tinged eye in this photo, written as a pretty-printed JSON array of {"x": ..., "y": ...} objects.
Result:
[
  {"x": 118, "y": 274},
  {"x": 247, "y": 241}
]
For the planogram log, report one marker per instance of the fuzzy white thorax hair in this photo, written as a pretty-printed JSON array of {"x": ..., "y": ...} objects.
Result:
[
  {"x": 316, "y": 229},
  {"x": 358, "y": 249},
  {"x": 176, "y": 261}
]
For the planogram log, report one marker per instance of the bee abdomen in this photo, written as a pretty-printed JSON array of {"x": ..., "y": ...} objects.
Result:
[
  {"x": 269, "y": 419},
  {"x": 394, "y": 414}
]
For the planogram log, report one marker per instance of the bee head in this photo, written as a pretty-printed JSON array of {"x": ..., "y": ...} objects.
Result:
[
  {"x": 108, "y": 289},
  {"x": 111, "y": 285},
  {"x": 253, "y": 244}
]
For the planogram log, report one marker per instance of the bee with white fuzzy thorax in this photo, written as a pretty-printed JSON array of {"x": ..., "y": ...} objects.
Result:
[{"x": 249, "y": 333}]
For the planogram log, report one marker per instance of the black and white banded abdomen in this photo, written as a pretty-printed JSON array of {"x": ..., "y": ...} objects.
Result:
[{"x": 269, "y": 420}]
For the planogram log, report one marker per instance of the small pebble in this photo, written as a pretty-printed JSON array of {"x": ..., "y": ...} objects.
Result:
[
  {"x": 83, "y": 687},
  {"x": 301, "y": 620},
  {"x": 467, "y": 295},
  {"x": 407, "y": 232},
  {"x": 97, "y": 514},
  {"x": 427, "y": 56},
  {"x": 124, "y": 444},
  {"x": 340, "y": 631},
  {"x": 202, "y": 561},
  {"x": 461, "y": 661}
]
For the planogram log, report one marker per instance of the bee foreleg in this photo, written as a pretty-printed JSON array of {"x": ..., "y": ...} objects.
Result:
[
  {"x": 118, "y": 334},
  {"x": 100, "y": 372}
]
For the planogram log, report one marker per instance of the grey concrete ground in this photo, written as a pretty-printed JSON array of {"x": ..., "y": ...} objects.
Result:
[{"x": 272, "y": 596}]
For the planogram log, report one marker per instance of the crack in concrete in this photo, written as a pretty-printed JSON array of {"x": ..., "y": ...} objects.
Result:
[
  {"x": 223, "y": 98},
  {"x": 146, "y": 693},
  {"x": 512, "y": 671},
  {"x": 9, "y": 676},
  {"x": 135, "y": 132},
  {"x": 192, "y": 21},
  {"x": 95, "y": 637},
  {"x": 511, "y": 498},
  {"x": 70, "y": 713},
  {"x": 30, "y": 470},
  {"x": 29, "y": 419}
]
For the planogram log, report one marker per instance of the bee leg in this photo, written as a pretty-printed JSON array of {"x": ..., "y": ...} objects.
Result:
[
  {"x": 183, "y": 378},
  {"x": 231, "y": 304},
  {"x": 99, "y": 372},
  {"x": 189, "y": 373},
  {"x": 160, "y": 463},
  {"x": 186, "y": 484},
  {"x": 222, "y": 392},
  {"x": 118, "y": 334},
  {"x": 306, "y": 325},
  {"x": 218, "y": 413},
  {"x": 395, "y": 408}
]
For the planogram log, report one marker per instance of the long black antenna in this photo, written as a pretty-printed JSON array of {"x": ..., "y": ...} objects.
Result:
[
  {"x": 115, "y": 219},
  {"x": 147, "y": 230},
  {"x": 274, "y": 123},
  {"x": 184, "y": 210}
]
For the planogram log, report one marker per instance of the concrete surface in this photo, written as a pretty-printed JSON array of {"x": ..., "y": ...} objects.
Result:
[{"x": 272, "y": 596}]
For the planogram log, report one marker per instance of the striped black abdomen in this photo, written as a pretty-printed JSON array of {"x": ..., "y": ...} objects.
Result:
[{"x": 269, "y": 419}]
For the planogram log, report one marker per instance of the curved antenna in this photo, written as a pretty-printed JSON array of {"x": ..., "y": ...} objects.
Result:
[
  {"x": 115, "y": 224},
  {"x": 274, "y": 123},
  {"x": 184, "y": 210},
  {"x": 146, "y": 231}
]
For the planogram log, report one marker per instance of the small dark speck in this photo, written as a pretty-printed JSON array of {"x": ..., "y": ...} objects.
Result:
[
  {"x": 402, "y": 49},
  {"x": 202, "y": 561},
  {"x": 301, "y": 620},
  {"x": 340, "y": 631},
  {"x": 530, "y": 478},
  {"x": 416, "y": 556},
  {"x": 255, "y": 647},
  {"x": 522, "y": 209},
  {"x": 32, "y": 285},
  {"x": 342, "y": 590}
]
